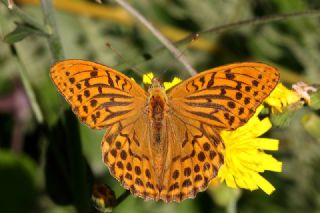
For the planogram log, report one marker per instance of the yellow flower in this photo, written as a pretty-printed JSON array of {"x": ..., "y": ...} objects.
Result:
[
  {"x": 147, "y": 79},
  {"x": 245, "y": 158},
  {"x": 168, "y": 85},
  {"x": 281, "y": 97}
]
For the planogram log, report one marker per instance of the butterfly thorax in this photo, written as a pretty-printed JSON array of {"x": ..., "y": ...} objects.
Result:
[
  {"x": 158, "y": 110},
  {"x": 157, "y": 105}
]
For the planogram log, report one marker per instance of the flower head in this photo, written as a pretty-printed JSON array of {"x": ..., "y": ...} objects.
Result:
[
  {"x": 103, "y": 198},
  {"x": 281, "y": 97},
  {"x": 303, "y": 89},
  {"x": 245, "y": 157}
]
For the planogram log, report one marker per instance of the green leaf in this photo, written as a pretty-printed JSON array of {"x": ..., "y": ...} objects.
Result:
[
  {"x": 282, "y": 119},
  {"x": 17, "y": 182},
  {"x": 22, "y": 31}
]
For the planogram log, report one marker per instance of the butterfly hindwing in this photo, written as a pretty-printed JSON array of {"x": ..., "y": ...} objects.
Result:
[
  {"x": 195, "y": 154},
  {"x": 125, "y": 150}
]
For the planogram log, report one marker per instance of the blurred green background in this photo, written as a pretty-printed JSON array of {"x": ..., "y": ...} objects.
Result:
[{"x": 49, "y": 161}]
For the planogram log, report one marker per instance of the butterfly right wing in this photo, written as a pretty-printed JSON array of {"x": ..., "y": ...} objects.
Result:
[
  {"x": 225, "y": 97},
  {"x": 195, "y": 153},
  {"x": 221, "y": 98}
]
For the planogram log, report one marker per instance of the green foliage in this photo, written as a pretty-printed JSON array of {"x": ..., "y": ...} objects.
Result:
[
  {"x": 17, "y": 182},
  {"x": 22, "y": 31}
]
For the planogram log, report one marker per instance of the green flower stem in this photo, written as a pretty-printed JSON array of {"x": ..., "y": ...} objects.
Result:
[
  {"x": 27, "y": 86},
  {"x": 122, "y": 197},
  {"x": 232, "y": 205},
  {"x": 78, "y": 173},
  {"x": 50, "y": 23}
]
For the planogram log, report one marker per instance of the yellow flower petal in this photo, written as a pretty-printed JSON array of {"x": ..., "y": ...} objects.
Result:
[
  {"x": 175, "y": 81},
  {"x": 147, "y": 78},
  {"x": 263, "y": 183},
  {"x": 245, "y": 157}
]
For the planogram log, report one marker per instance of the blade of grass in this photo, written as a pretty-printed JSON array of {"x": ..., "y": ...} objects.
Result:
[{"x": 27, "y": 86}]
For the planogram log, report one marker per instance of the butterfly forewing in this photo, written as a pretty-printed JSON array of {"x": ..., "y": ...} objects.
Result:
[
  {"x": 99, "y": 96},
  {"x": 225, "y": 97}
]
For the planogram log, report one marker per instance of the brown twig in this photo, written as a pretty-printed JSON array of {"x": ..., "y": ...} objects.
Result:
[
  {"x": 252, "y": 21},
  {"x": 175, "y": 52}
]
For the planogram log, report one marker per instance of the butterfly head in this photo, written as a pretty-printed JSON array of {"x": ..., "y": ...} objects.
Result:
[
  {"x": 156, "y": 84},
  {"x": 157, "y": 90}
]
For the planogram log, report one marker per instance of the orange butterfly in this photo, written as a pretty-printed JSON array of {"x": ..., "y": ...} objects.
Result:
[{"x": 158, "y": 144}]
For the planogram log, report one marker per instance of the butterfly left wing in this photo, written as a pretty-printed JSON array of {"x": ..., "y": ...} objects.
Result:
[
  {"x": 127, "y": 153},
  {"x": 98, "y": 95},
  {"x": 225, "y": 97},
  {"x": 104, "y": 98}
]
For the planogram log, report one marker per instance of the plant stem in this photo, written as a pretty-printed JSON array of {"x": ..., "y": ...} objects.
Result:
[
  {"x": 27, "y": 86},
  {"x": 50, "y": 23},
  {"x": 252, "y": 21},
  {"x": 174, "y": 51},
  {"x": 232, "y": 205},
  {"x": 122, "y": 197}
]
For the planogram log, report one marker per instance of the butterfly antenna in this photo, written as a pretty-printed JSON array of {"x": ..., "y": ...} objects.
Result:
[
  {"x": 136, "y": 70},
  {"x": 195, "y": 37}
]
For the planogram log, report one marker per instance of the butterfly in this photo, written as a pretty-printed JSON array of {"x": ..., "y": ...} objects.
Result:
[{"x": 164, "y": 145}]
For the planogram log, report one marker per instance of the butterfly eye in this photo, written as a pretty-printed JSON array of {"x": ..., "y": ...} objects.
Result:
[{"x": 150, "y": 88}]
